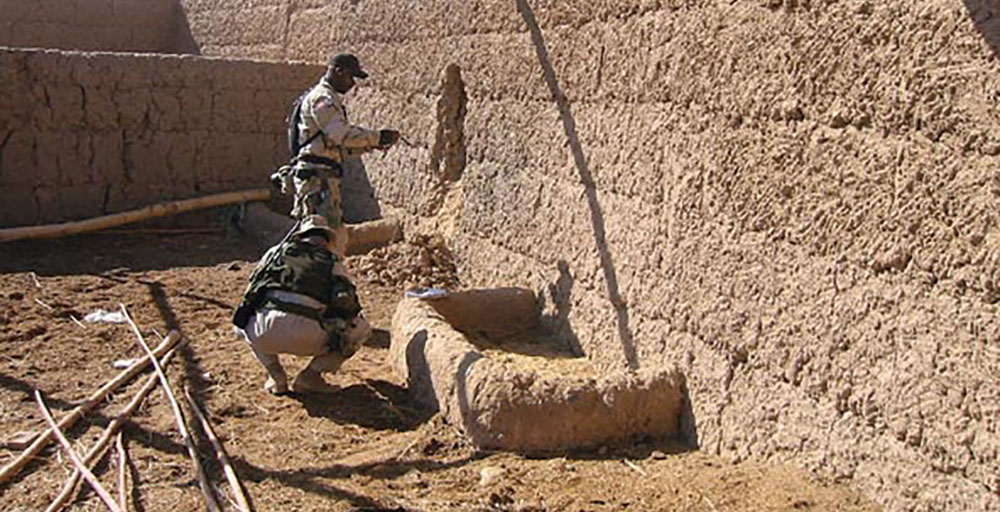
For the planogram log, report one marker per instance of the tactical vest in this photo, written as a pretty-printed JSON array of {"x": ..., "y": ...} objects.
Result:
[
  {"x": 306, "y": 269},
  {"x": 298, "y": 267}
]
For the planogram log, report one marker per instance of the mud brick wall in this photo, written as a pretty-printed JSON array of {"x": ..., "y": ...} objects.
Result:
[
  {"x": 86, "y": 134},
  {"x": 98, "y": 25},
  {"x": 795, "y": 201},
  {"x": 240, "y": 29}
]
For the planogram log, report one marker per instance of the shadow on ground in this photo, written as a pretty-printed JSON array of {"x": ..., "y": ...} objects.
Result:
[
  {"x": 100, "y": 253},
  {"x": 375, "y": 404}
]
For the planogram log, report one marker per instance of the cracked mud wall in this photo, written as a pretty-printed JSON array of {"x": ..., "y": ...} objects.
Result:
[
  {"x": 92, "y": 25},
  {"x": 794, "y": 200},
  {"x": 86, "y": 134}
]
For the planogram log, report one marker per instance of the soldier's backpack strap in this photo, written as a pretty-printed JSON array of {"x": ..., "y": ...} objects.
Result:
[{"x": 293, "y": 127}]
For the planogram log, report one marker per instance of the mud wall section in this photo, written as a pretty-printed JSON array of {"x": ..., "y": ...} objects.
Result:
[
  {"x": 147, "y": 26},
  {"x": 85, "y": 134},
  {"x": 796, "y": 201}
]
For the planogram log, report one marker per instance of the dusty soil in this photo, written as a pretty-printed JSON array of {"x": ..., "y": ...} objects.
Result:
[{"x": 364, "y": 447}]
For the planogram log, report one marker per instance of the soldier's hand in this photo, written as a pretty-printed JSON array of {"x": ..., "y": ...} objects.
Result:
[{"x": 387, "y": 138}]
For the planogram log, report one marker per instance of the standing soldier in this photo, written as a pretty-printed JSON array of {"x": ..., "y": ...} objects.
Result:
[{"x": 321, "y": 138}]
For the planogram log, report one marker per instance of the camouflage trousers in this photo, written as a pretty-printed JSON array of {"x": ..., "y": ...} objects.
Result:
[{"x": 318, "y": 193}]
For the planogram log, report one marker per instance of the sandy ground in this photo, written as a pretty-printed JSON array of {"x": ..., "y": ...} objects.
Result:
[{"x": 364, "y": 447}]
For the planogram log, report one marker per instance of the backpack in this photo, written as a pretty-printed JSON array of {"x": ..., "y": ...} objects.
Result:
[{"x": 293, "y": 127}]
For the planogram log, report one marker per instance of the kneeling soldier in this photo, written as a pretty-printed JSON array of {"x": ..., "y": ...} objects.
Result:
[{"x": 300, "y": 301}]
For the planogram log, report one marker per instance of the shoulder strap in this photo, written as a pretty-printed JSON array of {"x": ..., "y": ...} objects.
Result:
[
  {"x": 298, "y": 114},
  {"x": 312, "y": 138}
]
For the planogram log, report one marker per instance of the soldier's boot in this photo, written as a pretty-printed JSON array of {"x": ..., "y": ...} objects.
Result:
[
  {"x": 310, "y": 379},
  {"x": 277, "y": 380}
]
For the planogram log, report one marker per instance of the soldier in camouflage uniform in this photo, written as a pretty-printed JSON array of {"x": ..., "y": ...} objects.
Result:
[
  {"x": 327, "y": 138},
  {"x": 300, "y": 301}
]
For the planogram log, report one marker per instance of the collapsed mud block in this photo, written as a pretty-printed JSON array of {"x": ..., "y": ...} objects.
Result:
[{"x": 482, "y": 360}]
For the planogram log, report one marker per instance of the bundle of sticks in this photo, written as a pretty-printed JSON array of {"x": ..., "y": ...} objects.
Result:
[{"x": 158, "y": 358}]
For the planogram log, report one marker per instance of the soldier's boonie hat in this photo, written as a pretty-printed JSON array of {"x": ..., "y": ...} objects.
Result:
[
  {"x": 349, "y": 63},
  {"x": 315, "y": 225}
]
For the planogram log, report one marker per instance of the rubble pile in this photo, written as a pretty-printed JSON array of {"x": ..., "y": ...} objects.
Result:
[{"x": 423, "y": 261}]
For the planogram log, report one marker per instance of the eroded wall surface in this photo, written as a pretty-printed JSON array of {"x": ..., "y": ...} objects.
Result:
[
  {"x": 86, "y": 134},
  {"x": 148, "y": 26},
  {"x": 796, "y": 201}
]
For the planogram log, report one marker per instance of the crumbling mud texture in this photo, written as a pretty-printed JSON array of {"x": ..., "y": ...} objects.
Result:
[
  {"x": 86, "y": 134},
  {"x": 501, "y": 404},
  {"x": 307, "y": 30},
  {"x": 796, "y": 201},
  {"x": 148, "y": 26}
]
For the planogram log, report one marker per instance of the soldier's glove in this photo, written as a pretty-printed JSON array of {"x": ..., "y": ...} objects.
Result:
[
  {"x": 387, "y": 138},
  {"x": 282, "y": 179}
]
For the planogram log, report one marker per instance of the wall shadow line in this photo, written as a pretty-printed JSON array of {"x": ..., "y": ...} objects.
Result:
[
  {"x": 587, "y": 179},
  {"x": 985, "y": 16}
]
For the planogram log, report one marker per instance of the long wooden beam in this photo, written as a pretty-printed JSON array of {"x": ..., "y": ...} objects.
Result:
[{"x": 118, "y": 219}]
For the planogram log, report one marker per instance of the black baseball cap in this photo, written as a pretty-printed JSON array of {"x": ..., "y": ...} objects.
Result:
[{"x": 348, "y": 63}]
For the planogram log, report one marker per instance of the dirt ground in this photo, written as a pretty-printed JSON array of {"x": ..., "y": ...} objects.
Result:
[{"x": 364, "y": 447}]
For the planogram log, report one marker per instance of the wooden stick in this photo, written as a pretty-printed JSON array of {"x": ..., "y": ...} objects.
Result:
[
  {"x": 122, "y": 462},
  {"x": 407, "y": 448},
  {"x": 384, "y": 399},
  {"x": 118, "y": 219},
  {"x": 206, "y": 487},
  {"x": 87, "y": 475},
  {"x": 101, "y": 445},
  {"x": 78, "y": 322},
  {"x": 220, "y": 452},
  {"x": 635, "y": 467},
  {"x": 43, "y": 440}
]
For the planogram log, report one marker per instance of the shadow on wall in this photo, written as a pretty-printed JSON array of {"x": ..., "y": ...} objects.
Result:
[
  {"x": 358, "y": 194},
  {"x": 587, "y": 178},
  {"x": 184, "y": 42},
  {"x": 985, "y": 15},
  {"x": 558, "y": 324},
  {"x": 687, "y": 425}
]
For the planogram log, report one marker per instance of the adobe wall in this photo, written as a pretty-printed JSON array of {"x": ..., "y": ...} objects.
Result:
[
  {"x": 796, "y": 201},
  {"x": 149, "y": 26},
  {"x": 86, "y": 134}
]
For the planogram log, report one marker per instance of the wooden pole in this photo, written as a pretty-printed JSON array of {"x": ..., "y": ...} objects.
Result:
[
  {"x": 87, "y": 475},
  {"x": 206, "y": 487},
  {"x": 101, "y": 445},
  {"x": 43, "y": 440},
  {"x": 122, "y": 462},
  {"x": 118, "y": 219},
  {"x": 220, "y": 453}
]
